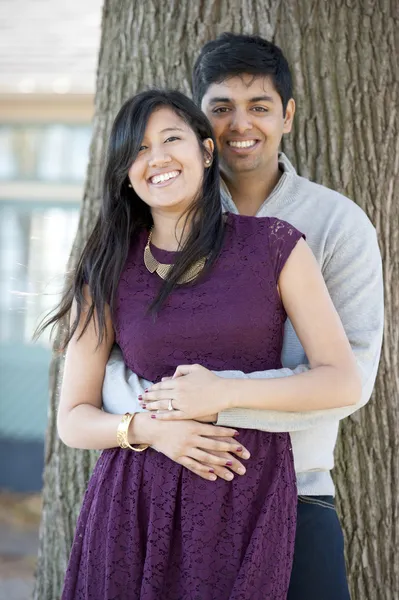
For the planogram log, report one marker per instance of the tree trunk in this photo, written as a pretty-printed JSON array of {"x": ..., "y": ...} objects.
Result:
[{"x": 343, "y": 59}]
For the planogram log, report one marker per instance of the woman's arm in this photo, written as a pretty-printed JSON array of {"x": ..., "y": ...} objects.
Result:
[
  {"x": 81, "y": 422},
  {"x": 332, "y": 381}
]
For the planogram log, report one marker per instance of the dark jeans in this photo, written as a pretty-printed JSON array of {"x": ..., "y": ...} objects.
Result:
[{"x": 318, "y": 572}]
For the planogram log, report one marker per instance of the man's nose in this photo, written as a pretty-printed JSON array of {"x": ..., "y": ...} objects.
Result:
[{"x": 240, "y": 122}]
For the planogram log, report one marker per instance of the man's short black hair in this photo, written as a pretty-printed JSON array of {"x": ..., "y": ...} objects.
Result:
[{"x": 232, "y": 54}]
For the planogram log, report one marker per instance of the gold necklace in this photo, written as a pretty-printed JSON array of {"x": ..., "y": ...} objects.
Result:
[{"x": 154, "y": 266}]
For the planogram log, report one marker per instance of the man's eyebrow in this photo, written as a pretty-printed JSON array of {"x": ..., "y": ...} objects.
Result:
[
  {"x": 217, "y": 100},
  {"x": 262, "y": 99},
  {"x": 172, "y": 129}
]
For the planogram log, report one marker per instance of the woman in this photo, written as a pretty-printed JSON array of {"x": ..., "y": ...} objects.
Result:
[{"x": 152, "y": 277}]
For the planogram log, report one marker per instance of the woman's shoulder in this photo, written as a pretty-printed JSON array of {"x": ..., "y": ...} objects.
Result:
[
  {"x": 265, "y": 236},
  {"x": 269, "y": 227}
]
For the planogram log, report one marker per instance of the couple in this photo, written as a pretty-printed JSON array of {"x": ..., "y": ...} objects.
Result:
[{"x": 198, "y": 493}]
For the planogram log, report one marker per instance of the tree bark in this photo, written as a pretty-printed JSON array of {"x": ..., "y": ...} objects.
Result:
[{"x": 343, "y": 58}]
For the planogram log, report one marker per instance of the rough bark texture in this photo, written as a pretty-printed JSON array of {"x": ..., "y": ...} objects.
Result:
[{"x": 343, "y": 58}]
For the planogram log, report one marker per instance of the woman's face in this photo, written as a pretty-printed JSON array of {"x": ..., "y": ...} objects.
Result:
[{"x": 169, "y": 167}]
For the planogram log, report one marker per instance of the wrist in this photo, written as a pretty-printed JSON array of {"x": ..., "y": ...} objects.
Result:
[
  {"x": 225, "y": 394},
  {"x": 209, "y": 419},
  {"x": 142, "y": 429}
]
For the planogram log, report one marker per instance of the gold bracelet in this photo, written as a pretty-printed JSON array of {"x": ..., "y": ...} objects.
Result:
[{"x": 122, "y": 434}]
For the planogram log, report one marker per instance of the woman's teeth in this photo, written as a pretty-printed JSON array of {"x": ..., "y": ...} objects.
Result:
[
  {"x": 246, "y": 144},
  {"x": 164, "y": 177}
]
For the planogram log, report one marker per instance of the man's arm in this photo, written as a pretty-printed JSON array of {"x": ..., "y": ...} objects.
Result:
[
  {"x": 353, "y": 275},
  {"x": 121, "y": 387}
]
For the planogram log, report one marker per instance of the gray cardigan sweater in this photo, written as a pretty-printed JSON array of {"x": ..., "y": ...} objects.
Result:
[{"x": 344, "y": 243}]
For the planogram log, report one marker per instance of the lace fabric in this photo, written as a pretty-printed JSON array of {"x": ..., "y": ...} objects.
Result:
[
  {"x": 150, "y": 529},
  {"x": 232, "y": 318}
]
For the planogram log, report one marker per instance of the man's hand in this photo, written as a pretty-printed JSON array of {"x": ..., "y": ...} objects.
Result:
[{"x": 206, "y": 450}]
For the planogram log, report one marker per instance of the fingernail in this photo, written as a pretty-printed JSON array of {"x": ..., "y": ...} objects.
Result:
[
  {"x": 236, "y": 434},
  {"x": 239, "y": 449},
  {"x": 153, "y": 416},
  {"x": 211, "y": 470},
  {"x": 140, "y": 398},
  {"x": 146, "y": 390},
  {"x": 229, "y": 463},
  {"x": 229, "y": 476},
  {"x": 144, "y": 405},
  {"x": 246, "y": 454},
  {"x": 241, "y": 470}
]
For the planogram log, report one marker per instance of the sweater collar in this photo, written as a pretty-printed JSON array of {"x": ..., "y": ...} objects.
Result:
[{"x": 288, "y": 173}]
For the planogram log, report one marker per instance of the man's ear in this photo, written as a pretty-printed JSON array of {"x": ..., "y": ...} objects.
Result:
[
  {"x": 289, "y": 115},
  {"x": 209, "y": 148}
]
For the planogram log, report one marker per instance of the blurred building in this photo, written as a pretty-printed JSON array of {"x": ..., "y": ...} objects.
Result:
[{"x": 48, "y": 59}]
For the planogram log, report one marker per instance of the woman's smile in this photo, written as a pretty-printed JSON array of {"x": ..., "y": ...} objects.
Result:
[{"x": 163, "y": 179}]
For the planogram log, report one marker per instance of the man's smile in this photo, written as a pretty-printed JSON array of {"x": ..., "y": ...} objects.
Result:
[{"x": 243, "y": 146}]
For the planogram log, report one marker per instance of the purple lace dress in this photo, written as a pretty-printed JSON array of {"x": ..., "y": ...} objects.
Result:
[{"x": 149, "y": 529}]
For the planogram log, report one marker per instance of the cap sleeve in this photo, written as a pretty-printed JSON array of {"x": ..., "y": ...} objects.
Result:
[{"x": 283, "y": 238}]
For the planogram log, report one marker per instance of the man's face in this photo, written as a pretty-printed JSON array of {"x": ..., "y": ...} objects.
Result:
[{"x": 246, "y": 114}]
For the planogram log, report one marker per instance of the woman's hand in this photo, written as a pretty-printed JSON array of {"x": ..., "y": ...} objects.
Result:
[
  {"x": 193, "y": 392},
  {"x": 206, "y": 450}
]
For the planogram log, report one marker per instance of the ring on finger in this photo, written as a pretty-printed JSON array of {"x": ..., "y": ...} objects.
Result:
[{"x": 170, "y": 405}]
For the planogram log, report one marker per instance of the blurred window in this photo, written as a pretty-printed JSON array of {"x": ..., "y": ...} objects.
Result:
[
  {"x": 54, "y": 153},
  {"x": 36, "y": 237},
  {"x": 35, "y": 243}
]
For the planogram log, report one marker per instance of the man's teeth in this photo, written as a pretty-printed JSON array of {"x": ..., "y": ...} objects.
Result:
[
  {"x": 164, "y": 177},
  {"x": 246, "y": 144}
]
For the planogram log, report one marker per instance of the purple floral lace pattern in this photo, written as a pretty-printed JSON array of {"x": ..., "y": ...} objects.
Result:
[
  {"x": 283, "y": 237},
  {"x": 151, "y": 530},
  {"x": 231, "y": 319}
]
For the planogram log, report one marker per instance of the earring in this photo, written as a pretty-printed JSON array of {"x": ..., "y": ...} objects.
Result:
[
  {"x": 129, "y": 185},
  {"x": 208, "y": 162}
]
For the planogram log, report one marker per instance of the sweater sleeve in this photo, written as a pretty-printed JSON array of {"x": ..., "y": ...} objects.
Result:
[
  {"x": 121, "y": 387},
  {"x": 353, "y": 275}
]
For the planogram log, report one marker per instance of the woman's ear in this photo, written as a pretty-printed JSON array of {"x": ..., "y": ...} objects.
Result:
[{"x": 209, "y": 148}]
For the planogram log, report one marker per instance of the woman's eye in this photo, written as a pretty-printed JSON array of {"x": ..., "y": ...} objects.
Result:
[
  {"x": 172, "y": 138},
  {"x": 142, "y": 148}
]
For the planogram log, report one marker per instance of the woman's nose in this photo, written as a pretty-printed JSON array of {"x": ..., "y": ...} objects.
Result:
[{"x": 159, "y": 158}]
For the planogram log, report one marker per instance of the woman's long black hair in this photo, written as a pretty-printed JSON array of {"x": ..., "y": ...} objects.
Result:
[{"x": 123, "y": 214}]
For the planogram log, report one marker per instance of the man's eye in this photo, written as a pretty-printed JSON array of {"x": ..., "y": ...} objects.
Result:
[
  {"x": 220, "y": 109},
  {"x": 260, "y": 109}
]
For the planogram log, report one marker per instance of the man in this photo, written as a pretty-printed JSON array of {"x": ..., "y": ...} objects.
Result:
[{"x": 243, "y": 84}]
